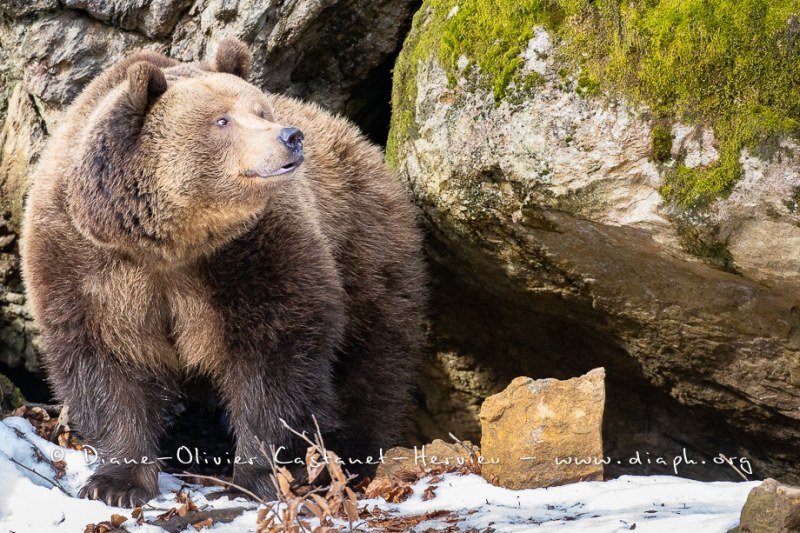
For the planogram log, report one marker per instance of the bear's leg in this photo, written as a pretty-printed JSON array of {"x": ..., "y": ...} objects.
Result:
[
  {"x": 258, "y": 396},
  {"x": 374, "y": 378},
  {"x": 120, "y": 410}
]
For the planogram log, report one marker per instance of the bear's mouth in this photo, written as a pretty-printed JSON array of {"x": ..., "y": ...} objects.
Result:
[{"x": 267, "y": 173}]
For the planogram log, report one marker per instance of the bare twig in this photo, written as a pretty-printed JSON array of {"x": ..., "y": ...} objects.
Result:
[
  {"x": 338, "y": 497},
  {"x": 470, "y": 451},
  {"x": 226, "y": 483},
  {"x": 32, "y": 471},
  {"x": 301, "y": 435},
  {"x": 730, "y": 463}
]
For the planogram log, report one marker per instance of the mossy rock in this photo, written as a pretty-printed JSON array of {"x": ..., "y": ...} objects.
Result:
[
  {"x": 661, "y": 141},
  {"x": 10, "y": 395},
  {"x": 770, "y": 507},
  {"x": 727, "y": 64}
]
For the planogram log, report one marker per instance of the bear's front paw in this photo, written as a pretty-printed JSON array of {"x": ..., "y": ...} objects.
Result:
[{"x": 118, "y": 491}]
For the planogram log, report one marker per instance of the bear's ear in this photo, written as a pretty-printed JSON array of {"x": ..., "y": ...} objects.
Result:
[
  {"x": 146, "y": 82},
  {"x": 233, "y": 57}
]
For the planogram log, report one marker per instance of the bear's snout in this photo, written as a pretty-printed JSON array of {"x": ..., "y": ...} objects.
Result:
[{"x": 292, "y": 138}]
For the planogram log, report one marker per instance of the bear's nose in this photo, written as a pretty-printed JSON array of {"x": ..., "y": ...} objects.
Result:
[{"x": 292, "y": 138}]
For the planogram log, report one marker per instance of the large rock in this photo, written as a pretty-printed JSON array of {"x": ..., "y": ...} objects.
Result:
[
  {"x": 771, "y": 508},
  {"x": 555, "y": 251},
  {"x": 543, "y": 433},
  {"x": 21, "y": 138},
  {"x": 334, "y": 52}
]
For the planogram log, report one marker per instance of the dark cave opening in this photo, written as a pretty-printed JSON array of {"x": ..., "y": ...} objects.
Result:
[
  {"x": 499, "y": 334},
  {"x": 369, "y": 105},
  {"x": 32, "y": 385}
]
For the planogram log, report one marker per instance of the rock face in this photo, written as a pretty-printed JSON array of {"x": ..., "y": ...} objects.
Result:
[
  {"x": 333, "y": 52},
  {"x": 543, "y": 433},
  {"x": 10, "y": 396},
  {"x": 771, "y": 507},
  {"x": 555, "y": 252}
]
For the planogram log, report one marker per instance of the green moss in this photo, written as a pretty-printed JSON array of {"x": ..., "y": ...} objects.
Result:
[
  {"x": 731, "y": 65},
  {"x": 588, "y": 85},
  {"x": 523, "y": 87},
  {"x": 726, "y": 64},
  {"x": 661, "y": 143},
  {"x": 490, "y": 35},
  {"x": 712, "y": 250},
  {"x": 793, "y": 202}
]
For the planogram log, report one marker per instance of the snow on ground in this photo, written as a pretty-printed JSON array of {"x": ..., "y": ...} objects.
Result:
[
  {"x": 31, "y": 503},
  {"x": 654, "y": 504}
]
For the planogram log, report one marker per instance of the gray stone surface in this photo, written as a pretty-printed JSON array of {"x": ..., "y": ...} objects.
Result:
[{"x": 547, "y": 208}]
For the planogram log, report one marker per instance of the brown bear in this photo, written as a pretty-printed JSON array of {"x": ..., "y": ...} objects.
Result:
[{"x": 182, "y": 223}]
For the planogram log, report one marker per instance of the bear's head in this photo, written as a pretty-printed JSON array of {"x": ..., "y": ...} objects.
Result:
[{"x": 176, "y": 161}]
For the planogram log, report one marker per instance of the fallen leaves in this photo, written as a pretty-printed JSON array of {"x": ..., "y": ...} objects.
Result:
[
  {"x": 51, "y": 422},
  {"x": 175, "y": 519},
  {"x": 380, "y": 520},
  {"x": 391, "y": 490},
  {"x": 337, "y": 500},
  {"x": 115, "y": 524},
  {"x": 203, "y": 524}
]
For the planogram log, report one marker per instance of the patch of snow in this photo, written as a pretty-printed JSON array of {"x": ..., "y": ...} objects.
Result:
[
  {"x": 28, "y": 502},
  {"x": 658, "y": 503},
  {"x": 654, "y": 503}
]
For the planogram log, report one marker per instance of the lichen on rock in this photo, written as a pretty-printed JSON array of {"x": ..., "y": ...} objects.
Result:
[{"x": 724, "y": 64}]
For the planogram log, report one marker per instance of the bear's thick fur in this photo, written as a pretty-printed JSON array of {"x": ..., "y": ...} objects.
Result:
[{"x": 170, "y": 232}]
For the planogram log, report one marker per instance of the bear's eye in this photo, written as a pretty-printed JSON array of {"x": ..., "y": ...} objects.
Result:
[{"x": 222, "y": 122}]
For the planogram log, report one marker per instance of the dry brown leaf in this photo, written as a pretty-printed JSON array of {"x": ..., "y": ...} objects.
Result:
[
  {"x": 290, "y": 515},
  {"x": 167, "y": 515},
  {"x": 378, "y": 487},
  {"x": 314, "y": 463},
  {"x": 285, "y": 480},
  {"x": 323, "y": 504},
  {"x": 67, "y": 439},
  {"x": 207, "y": 523},
  {"x": 429, "y": 493},
  {"x": 362, "y": 484},
  {"x": 60, "y": 467},
  {"x": 335, "y": 503},
  {"x": 350, "y": 510},
  {"x": 264, "y": 524},
  {"x": 335, "y": 468},
  {"x": 315, "y": 509},
  {"x": 399, "y": 494},
  {"x": 102, "y": 527},
  {"x": 117, "y": 520}
]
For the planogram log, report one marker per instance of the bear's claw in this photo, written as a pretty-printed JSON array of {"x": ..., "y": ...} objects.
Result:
[{"x": 116, "y": 492}]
